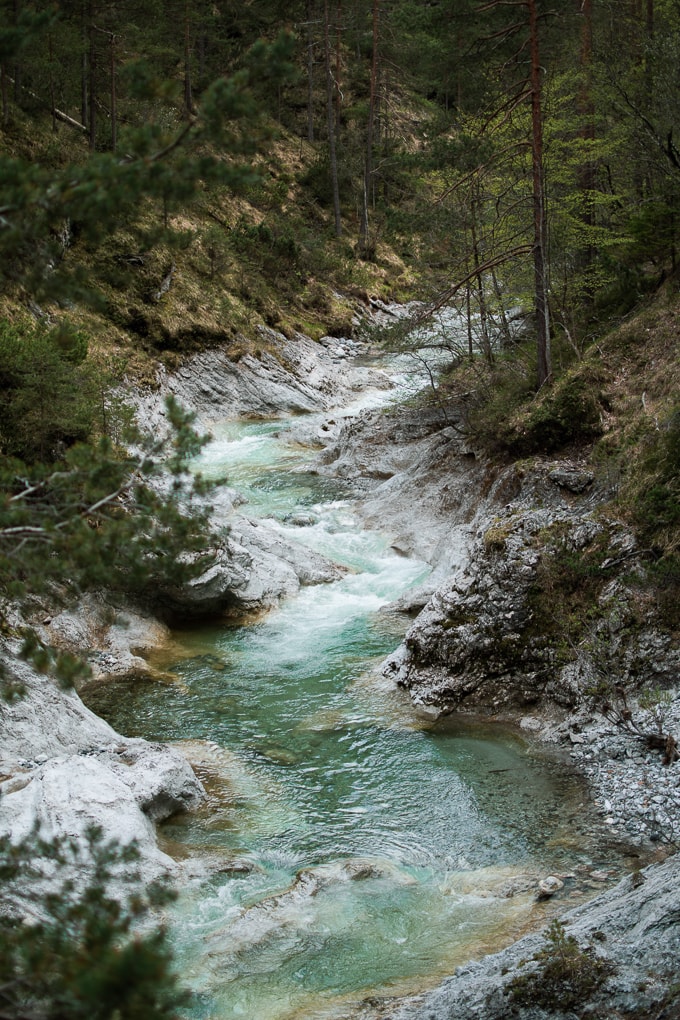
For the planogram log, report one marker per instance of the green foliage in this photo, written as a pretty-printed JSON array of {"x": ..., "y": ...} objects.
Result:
[
  {"x": 72, "y": 942},
  {"x": 99, "y": 518},
  {"x": 51, "y": 214},
  {"x": 272, "y": 246},
  {"x": 46, "y": 391},
  {"x": 651, "y": 492},
  {"x": 564, "y": 595},
  {"x": 657, "y": 509},
  {"x": 566, "y": 975},
  {"x": 664, "y": 580},
  {"x": 566, "y": 413}
]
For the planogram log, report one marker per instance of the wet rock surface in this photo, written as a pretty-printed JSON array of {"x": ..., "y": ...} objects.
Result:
[
  {"x": 252, "y": 570},
  {"x": 633, "y": 928}
]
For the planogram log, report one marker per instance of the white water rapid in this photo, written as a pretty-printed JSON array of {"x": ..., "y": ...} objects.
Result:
[{"x": 353, "y": 849}]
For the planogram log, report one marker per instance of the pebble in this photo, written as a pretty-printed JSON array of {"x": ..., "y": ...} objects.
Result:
[
  {"x": 631, "y": 786},
  {"x": 547, "y": 887}
]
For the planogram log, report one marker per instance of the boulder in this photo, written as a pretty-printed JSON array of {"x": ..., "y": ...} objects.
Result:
[
  {"x": 64, "y": 770},
  {"x": 255, "y": 567}
]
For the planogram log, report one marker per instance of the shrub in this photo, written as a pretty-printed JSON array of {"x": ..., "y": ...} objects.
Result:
[
  {"x": 567, "y": 413},
  {"x": 566, "y": 975},
  {"x": 47, "y": 398}
]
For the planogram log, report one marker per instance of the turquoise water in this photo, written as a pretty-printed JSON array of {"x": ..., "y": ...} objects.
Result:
[{"x": 351, "y": 847}]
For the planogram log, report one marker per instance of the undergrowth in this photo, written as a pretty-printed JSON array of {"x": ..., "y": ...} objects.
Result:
[{"x": 566, "y": 975}]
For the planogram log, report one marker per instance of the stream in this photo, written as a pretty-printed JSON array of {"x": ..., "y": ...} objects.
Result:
[{"x": 353, "y": 848}]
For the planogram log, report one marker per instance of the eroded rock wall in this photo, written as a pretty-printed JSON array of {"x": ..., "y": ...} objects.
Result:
[{"x": 536, "y": 595}]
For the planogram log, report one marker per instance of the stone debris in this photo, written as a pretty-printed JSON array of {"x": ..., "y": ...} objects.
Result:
[{"x": 634, "y": 792}]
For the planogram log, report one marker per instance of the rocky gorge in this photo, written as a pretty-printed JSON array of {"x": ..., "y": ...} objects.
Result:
[{"x": 490, "y": 636}]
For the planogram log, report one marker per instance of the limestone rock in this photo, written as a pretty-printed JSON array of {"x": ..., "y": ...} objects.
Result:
[
  {"x": 635, "y": 926},
  {"x": 64, "y": 769},
  {"x": 255, "y": 567},
  {"x": 549, "y": 886},
  {"x": 114, "y": 639},
  {"x": 291, "y": 375},
  {"x": 46, "y": 722}
]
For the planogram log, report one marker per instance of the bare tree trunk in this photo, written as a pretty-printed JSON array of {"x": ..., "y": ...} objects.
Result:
[
  {"x": 368, "y": 159},
  {"x": 17, "y": 64},
  {"x": 114, "y": 98},
  {"x": 5, "y": 96},
  {"x": 505, "y": 325},
  {"x": 310, "y": 72},
  {"x": 188, "y": 98},
  {"x": 468, "y": 317},
  {"x": 481, "y": 298},
  {"x": 338, "y": 66},
  {"x": 92, "y": 78},
  {"x": 332, "y": 154},
  {"x": 540, "y": 219},
  {"x": 84, "y": 116},
  {"x": 587, "y": 126},
  {"x": 53, "y": 101}
]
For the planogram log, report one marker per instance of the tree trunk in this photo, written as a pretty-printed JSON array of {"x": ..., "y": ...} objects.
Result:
[
  {"x": 84, "y": 116},
  {"x": 5, "y": 98},
  {"x": 338, "y": 67},
  {"x": 310, "y": 72},
  {"x": 540, "y": 220},
  {"x": 17, "y": 64},
  {"x": 364, "y": 246},
  {"x": 92, "y": 78},
  {"x": 114, "y": 98},
  {"x": 586, "y": 130},
  {"x": 468, "y": 318},
  {"x": 479, "y": 279},
  {"x": 188, "y": 98},
  {"x": 332, "y": 154},
  {"x": 505, "y": 325},
  {"x": 53, "y": 101}
]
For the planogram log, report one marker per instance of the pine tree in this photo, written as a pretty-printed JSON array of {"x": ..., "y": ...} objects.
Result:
[{"x": 72, "y": 945}]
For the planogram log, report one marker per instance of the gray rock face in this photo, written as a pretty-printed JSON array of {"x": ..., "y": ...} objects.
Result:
[
  {"x": 421, "y": 482},
  {"x": 302, "y": 377},
  {"x": 481, "y": 641},
  {"x": 255, "y": 567},
  {"x": 487, "y": 637},
  {"x": 114, "y": 640},
  {"x": 64, "y": 769},
  {"x": 471, "y": 645},
  {"x": 635, "y": 927}
]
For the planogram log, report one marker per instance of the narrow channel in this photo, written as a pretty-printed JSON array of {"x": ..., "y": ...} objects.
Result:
[{"x": 353, "y": 849}]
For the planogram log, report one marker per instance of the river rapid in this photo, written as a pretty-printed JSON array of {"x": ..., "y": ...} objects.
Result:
[{"x": 352, "y": 848}]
